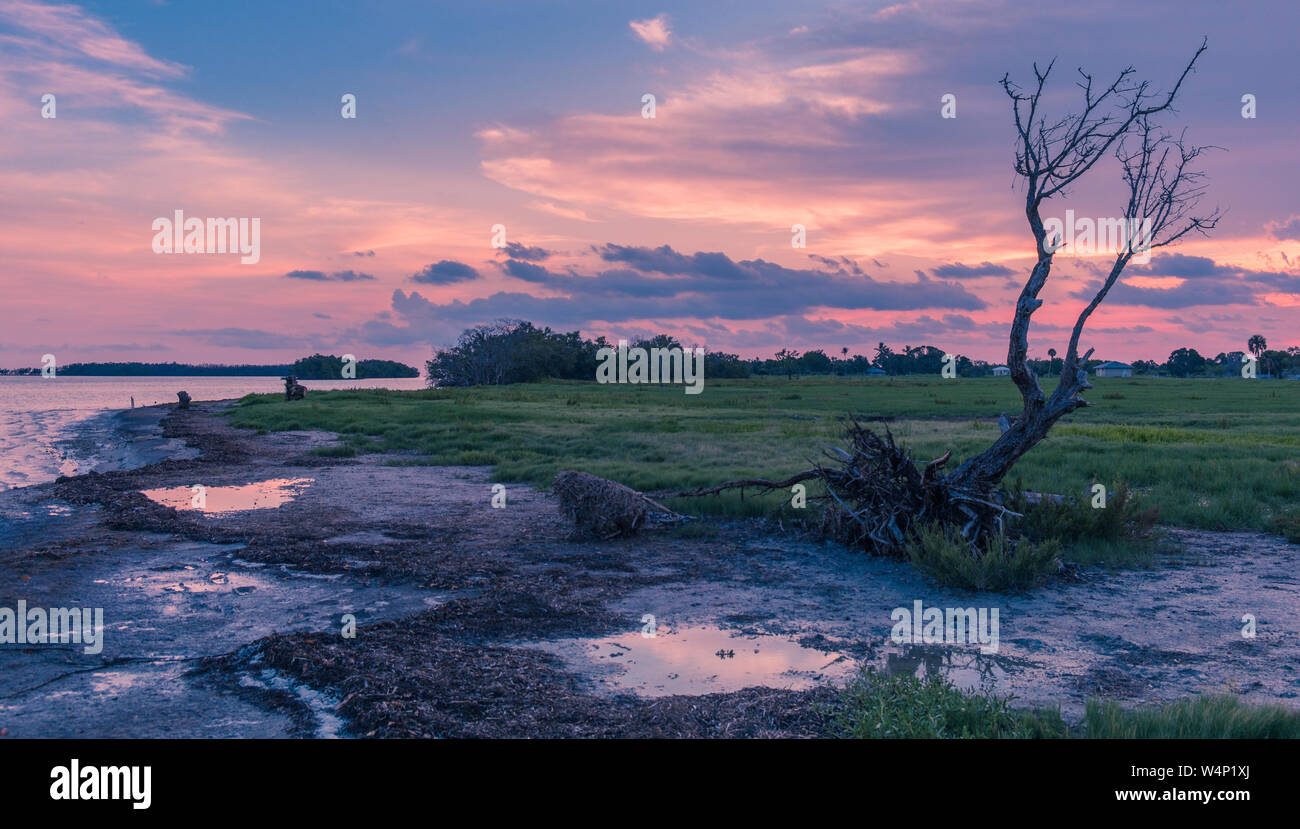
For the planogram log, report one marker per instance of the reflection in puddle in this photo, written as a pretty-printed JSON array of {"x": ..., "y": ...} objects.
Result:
[
  {"x": 260, "y": 495},
  {"x": 700, "y": 660},
  {"x": 175, "y": 587},
  {"x": 116, "y": 681},
  {"x": 968, "y": 670}
]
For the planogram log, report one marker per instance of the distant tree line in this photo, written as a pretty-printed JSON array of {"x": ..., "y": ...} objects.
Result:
[
  {"x": 330, "y": 367},
  {"x": 315, "y": 367},
  {"x": 517, "y": 351},
  {"x": 133, "y": 369}
]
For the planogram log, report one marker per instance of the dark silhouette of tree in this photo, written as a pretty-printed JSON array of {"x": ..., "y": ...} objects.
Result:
[
  {"x": 1185, "y": 362},
  {"x": 1051, "y": 155},
  {"x": 788, "y": 360},
  {"x": 1257, "y": 346}
]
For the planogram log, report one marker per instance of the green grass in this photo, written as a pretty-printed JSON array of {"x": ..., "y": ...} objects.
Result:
[
  {"x": 877, "y": 705},
  {"x": 901, "y": 706},
  {"x": 1288, "y": 525},
  {"x": 941, "y": 553},
  {"x": 1211, "y": 453},
  {"x": 1212, "y": 716}
]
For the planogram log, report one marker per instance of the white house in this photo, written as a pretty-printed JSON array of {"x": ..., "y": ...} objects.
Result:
[
  {"x": 1113, "y": 369},
  {"x": 1001, "y": 371}
]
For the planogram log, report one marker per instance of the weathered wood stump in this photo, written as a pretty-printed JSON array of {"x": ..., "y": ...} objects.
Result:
[
  {"x": 184, "y": 398},
  {"x": 293, "y": 390}
]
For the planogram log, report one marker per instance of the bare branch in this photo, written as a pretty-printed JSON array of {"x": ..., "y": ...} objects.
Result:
[{"x": 1163, "y": 192}]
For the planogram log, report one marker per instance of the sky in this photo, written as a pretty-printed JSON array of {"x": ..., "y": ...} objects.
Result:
[{"x": 377, "y": 231}]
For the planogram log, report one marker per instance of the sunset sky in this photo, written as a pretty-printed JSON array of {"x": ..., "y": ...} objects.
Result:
[{"x": 376, "y": 231}]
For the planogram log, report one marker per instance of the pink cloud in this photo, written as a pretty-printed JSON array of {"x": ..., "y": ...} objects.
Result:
[
  {"x": 654, "y": 31},
  {"x": 68, "y": 31}
]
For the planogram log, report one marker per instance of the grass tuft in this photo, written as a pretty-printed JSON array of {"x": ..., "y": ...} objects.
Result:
[
  {"x": 940, "y": 552},
  {"x": 900, "y": 706}
]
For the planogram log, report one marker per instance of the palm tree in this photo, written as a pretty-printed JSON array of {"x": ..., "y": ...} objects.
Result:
[
  {"x": 1257, "y": 344},
  {"x": 1051, "y": 360}
]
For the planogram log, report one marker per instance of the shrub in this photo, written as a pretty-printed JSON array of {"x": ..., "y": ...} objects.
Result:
[
  {"x": 900, "y": 706},
  {"x": 1074, "y": 519},
  {"x": 940, "y": 552},
  {"x": 1287, "y": 524}
]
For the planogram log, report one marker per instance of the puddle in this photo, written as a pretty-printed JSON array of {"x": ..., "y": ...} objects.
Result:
[
  {"x": 113, "y": 682},
  {"x": 967, "y": 669},
  {"x": 161, "y": 583},
  {"x": 216, "y": 499},
  {"x": 700, "y": 660}
]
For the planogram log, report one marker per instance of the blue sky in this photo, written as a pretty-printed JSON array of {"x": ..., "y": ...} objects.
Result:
[{"x": 527, "y": 114}]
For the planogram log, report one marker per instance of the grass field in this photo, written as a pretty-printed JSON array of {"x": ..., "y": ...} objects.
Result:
[
  {"x": 1211, "y": 453},
  {"x": 903, "y": 706}
]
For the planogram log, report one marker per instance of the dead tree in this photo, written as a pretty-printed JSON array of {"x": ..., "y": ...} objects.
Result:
[
  {"x": 876, "y": 494},
  {"x": 1162, "y": 189}
]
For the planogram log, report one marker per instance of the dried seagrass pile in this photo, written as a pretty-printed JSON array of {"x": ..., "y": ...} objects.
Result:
[{"x": 601, "y": 508}]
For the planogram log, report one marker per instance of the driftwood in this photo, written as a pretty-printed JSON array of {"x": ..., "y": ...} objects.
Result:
[
  {"x": 1034, "y": 499},
  {"x": 764, "y": 483},
  {"x": 184, "y": 399},
  {"x": 604, "y": 509},
  {"x": 293, "y": 390}
]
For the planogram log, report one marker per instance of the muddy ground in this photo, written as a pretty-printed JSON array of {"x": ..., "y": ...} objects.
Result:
[{"x": 475, "y": 621}]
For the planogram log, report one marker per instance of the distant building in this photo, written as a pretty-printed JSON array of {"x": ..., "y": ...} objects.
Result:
[
  {"x": 874, "y": 372},
  {"x": 1113, "y": 369},
  {"x": 1001, "y": 371}
]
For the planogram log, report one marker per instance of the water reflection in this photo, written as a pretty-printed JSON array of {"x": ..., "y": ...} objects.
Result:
[
  {"x": 267, "y": 494},
  {"x": 969, "y": 670},
  {"x": 700, "y": 660}
]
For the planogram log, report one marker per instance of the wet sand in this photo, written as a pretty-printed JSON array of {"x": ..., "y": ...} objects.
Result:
[{"x": 474, "y": 621}]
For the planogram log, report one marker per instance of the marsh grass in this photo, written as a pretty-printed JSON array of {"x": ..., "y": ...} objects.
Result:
[
  {"x": 1211, "y": 716},
  {"x": 1287, "y": 524},
  {"x": 1120, "y": 534},
  {"x": 901, "y": 706},
  {"x": 1211, "y": 453},
  {"x": 941, "y": 553},
  {"x": 876, "y": 705}
]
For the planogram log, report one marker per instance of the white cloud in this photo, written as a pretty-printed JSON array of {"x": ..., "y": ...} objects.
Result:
[{"x": 654, "y": 31}]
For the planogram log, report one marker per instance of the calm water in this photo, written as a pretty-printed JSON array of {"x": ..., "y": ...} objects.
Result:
[{"x": 37, "y": 414}]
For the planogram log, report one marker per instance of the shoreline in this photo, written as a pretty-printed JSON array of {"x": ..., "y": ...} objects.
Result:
[
  {"x": 119, "y": 440},
  {"x": 474, "y": 621}
]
